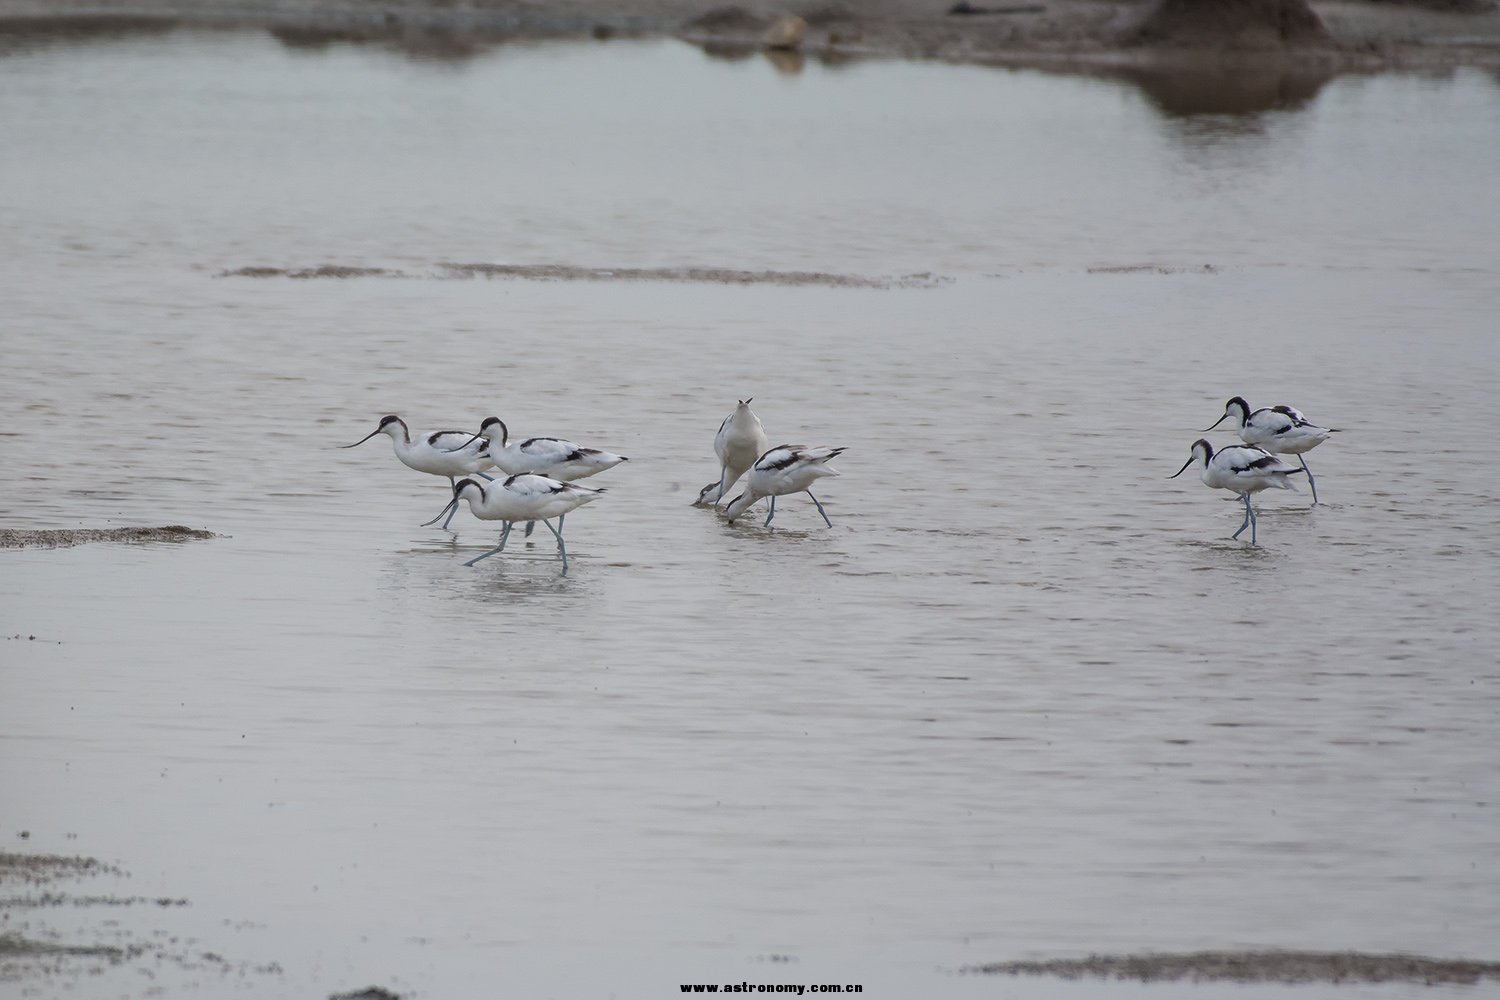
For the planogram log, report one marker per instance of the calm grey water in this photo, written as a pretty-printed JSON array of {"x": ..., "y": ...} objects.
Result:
[{"x": 1024, "y": 699}]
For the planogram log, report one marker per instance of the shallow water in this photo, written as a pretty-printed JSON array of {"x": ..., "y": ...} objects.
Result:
[{"x": 1025, "y": 699}]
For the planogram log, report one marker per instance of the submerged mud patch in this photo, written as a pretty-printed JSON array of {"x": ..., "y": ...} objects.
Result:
[
  {"x": 1290, "y": 967},
  {"x": 56, "y": 538},
  {"x": 572, "y": 272}
]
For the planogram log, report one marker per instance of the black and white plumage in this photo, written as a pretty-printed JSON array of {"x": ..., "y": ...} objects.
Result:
[
  {"x": 437, "y": 453},
  {"x": 521, "y": 498},
  {"x": 1243, "y": 470},
  {"x": 555, "y": 458},
  {"x": 787, "y": 468},
  {"x": 739, "y": 442},
  {"x": 1280, "y": 430}
]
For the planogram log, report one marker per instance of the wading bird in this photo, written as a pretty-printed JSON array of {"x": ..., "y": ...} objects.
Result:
[
  {"x": 555, "y": 458},
  {"x": 437, "y": 453},
  {"x": 1242, "y": 470},
  {"x": 520, "y": 498},
  {"x": 740, "y": 441},
  {"x": 1280, "y": 430},
  {"x": 787, "y": 468}
]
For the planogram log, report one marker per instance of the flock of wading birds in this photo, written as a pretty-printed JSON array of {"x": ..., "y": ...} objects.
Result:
[{"x": 541, "y": 473}]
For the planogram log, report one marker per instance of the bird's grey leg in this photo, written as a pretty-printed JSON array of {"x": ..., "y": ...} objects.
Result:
[
  {"x": 560, "y": 519},
  {"x": 1245, "y": 497},
  {"x": 820, "y": 509},
  {"x": 451, "y": 487},
  {"x": 497, "y": 549},
  {"x": 561, "y": 548},
  {"x": 773, "y": 512},
  {"x": 1310, "y": 480},
  {"x": 488, "y": 479},
  {"x": 530, "y": 526},
  {"x": 1251, "y": 509}
]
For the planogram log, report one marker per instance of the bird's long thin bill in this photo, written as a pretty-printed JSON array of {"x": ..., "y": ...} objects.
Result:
[
  {"x": 443, "y": 513},
  {"x": 361, "y": 440},
  {"x": 471, "y": 440},
  {"x": 1216, "y": 423},
  {"x": 1183, "y": 469}
]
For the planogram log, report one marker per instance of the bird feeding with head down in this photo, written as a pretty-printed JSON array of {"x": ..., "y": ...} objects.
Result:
[
  {"x": 785, "y": 469},
  {"x": 521, "y": 498}
]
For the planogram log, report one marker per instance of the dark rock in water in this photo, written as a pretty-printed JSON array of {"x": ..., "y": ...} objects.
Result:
[
  {"x": 368, "y": 993},
  {"x": 1233, "y": 24}
]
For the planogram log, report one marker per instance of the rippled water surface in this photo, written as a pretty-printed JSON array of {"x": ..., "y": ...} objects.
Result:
[{"x": 1025, "y": 698}]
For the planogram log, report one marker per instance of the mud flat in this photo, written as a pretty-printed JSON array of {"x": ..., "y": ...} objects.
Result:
[
  {"x": 1289, "y": 967},
  {"x": 56, "y": 538}
]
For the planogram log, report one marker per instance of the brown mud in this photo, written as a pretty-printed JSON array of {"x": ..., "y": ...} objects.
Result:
[
  {"x": 1288, "y": 967},
  {"x": 56, "y": 538}
]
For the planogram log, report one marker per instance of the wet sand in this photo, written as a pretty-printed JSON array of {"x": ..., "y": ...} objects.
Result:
[{"x": 1346, "y": 35}]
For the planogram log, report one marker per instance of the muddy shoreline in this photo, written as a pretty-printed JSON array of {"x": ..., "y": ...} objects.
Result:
[{"x": 1350, "y": 35}]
